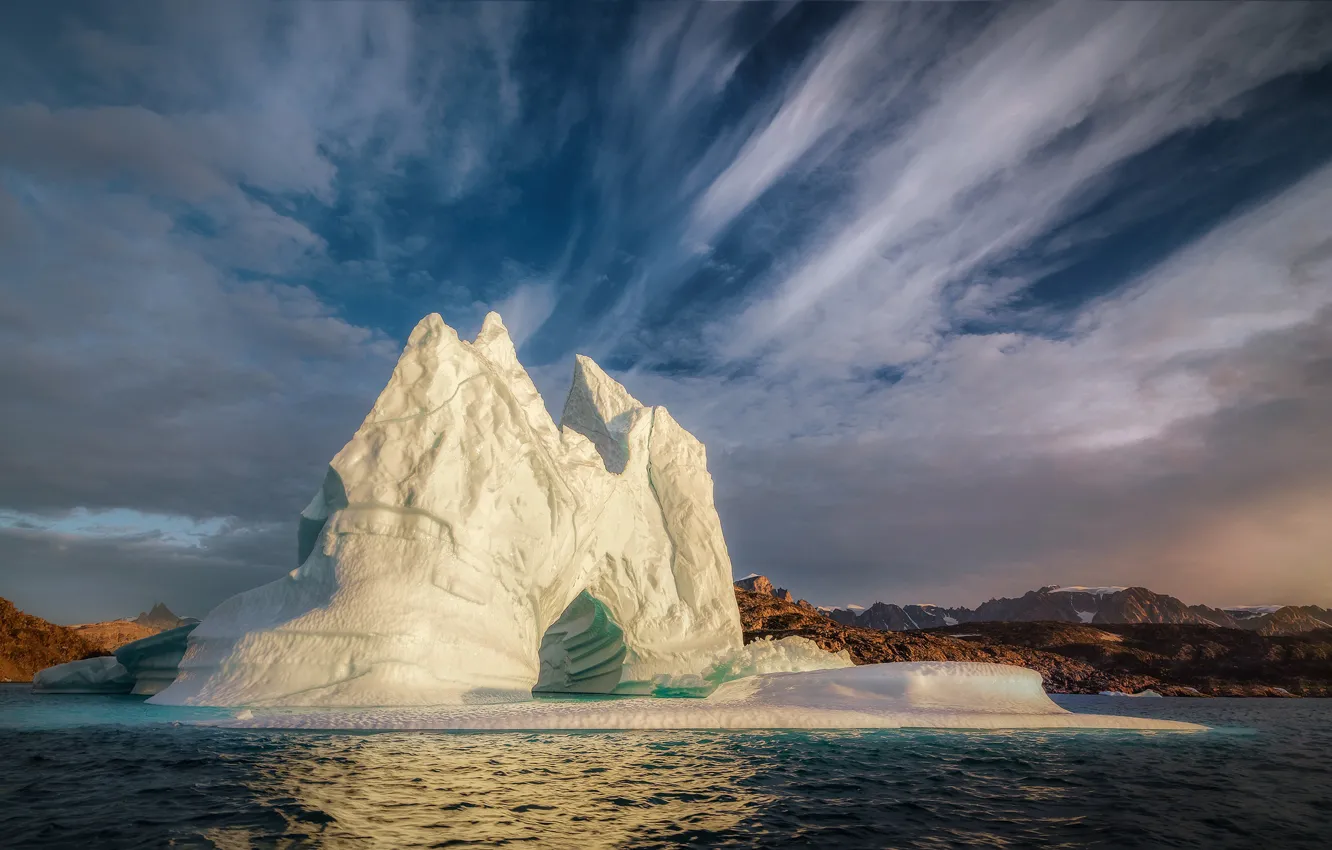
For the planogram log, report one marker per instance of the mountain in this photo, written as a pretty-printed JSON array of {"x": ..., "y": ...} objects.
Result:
[
  {"x": 161, "y": 618},
  {"x": 113, "y": 634},
  {"x": 1186, "y": 659},
  {"x": 755, "y": 583},
  {"x": 29, "y": 644},
  {"x": 1091, "y": 605},
  {"x": 900, "y": 618},
  {"x": 1281, "y": 620},
  {"x": 933, "y": 617}
]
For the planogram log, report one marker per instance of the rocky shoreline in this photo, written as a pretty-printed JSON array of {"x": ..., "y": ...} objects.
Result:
[
  {"x": 29, "y": 643},
  {"x": 1171, "y": 659}
]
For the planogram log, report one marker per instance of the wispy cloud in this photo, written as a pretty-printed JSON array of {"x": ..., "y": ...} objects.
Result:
[
  {"x": 826, "y": 236},
  {"x": 1048, "y": 101}
]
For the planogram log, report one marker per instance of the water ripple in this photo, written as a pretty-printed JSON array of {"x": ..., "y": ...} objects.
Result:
[{"x": 153, "y": 785}]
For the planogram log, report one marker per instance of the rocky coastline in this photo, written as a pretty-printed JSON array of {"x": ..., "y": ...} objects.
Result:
[{"x": 1171, "y": 659}]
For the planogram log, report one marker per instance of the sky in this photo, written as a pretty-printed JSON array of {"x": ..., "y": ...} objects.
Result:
[{"x": 963, "y": 299}]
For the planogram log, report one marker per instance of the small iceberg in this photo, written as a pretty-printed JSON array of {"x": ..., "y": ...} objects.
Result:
[{"x": 100, "y": 675}]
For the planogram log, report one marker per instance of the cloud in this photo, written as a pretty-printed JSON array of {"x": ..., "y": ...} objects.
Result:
[
  {"x": 526, "y": 309},
  {"x": 962, "y": 299},
  {"x": 816, "y": 107},
  {"x": 1216, "y": 509},
  {"x": 1176, "y": 440},
  {"x": 1044, "y": 103},
  {"x": 83, "y": 578}
]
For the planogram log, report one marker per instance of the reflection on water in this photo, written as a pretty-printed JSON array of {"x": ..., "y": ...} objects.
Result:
[
  {"x": 101, "y": 772},
  {"x": 425, "y": 789}
]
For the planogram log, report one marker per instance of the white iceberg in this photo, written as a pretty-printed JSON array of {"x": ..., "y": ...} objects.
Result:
[
  {"x": 465, "y": 552},
  {"x": 154, "y": 660},
  {"x": 144, "y": 666},
  {"x": 463, "y": 548},
  {"x": 100, "y": 675}
]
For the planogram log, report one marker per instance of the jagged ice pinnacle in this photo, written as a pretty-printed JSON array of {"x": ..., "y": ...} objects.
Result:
[{"x": 463, "y": 548}]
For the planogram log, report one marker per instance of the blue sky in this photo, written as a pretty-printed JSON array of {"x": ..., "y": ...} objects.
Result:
[{"x": 963, "y": 299}]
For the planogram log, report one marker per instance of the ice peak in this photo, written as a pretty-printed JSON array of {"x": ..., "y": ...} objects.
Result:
[
  {"x": 455, "y": 531},
  {"x": 599, "y": 408},
  {"x": 491, "y": 327},
  {"x": 495, "y": 343},
  {"x": 608, "y": 396},
  {"x": 430, "y": 328}
]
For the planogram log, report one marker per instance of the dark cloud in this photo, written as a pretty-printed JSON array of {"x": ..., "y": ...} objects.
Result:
[
  {"x": 1216, "y": 509},
  {"x": 136, "y": 375},
  {"x": 78, "y": 580},
  {"x": 218, "y": 222}
]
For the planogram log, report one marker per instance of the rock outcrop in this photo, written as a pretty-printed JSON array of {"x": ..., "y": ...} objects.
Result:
[
  {"x": 1172, "y": 659},
  {"x": 29, "y": 644},
  {"x": 755, "y": 583},
  {"x": 110, "y": 635},
  {"x": 161, "y": 618}
]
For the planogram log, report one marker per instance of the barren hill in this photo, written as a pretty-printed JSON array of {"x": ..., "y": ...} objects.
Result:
[
  {"x": 29, "y": 644},
  {"x": 1172, "y": 659}
]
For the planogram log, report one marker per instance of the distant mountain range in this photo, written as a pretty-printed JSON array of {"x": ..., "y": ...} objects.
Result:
[
  {"x": 1087, "y": 605},
  {"x": 161, "y": 618},
  {"x": 1183, "y": 659}
]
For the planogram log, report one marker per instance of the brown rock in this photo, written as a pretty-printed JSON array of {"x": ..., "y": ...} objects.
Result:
[
  {"x": 110, "y": 636},
  {"x": 29, "y": 644},
  {"x": 1172, "y": 659}
]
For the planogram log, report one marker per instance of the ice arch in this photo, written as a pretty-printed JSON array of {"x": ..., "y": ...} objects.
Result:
[
  {"x": 456, "y": 529},
  {"x": 583, "y": 652}
]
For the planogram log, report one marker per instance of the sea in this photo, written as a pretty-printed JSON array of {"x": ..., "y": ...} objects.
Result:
[{"x": 111, "y": 772}]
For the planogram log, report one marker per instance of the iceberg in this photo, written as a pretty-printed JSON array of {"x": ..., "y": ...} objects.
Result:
[
  {"x": 144, "y": 666},
  {"x": 467, "y": 563},
  {"x": 100, "y": 675},
  {"x": 463, "y": 548},
  {"x": 154, "y": 660}
]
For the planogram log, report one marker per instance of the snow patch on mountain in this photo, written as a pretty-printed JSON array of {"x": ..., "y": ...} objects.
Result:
[
  {"x": 1094, "y": 591},
  {"x": 1252, "y": 610}
]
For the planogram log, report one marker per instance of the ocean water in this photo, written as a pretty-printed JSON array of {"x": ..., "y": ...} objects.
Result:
[{"x": 93, "y": 772}]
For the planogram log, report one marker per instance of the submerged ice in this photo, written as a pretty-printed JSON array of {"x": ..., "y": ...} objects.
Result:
[
  {"x": 463, "y": 548},
  {"x": 919, "y": 694}
]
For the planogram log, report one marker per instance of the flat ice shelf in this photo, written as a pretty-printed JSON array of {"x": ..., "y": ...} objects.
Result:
[{"x": 924, "y": 694}]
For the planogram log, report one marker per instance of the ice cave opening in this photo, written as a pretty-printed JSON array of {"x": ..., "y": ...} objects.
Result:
[{"x": 583, "y": 651}]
